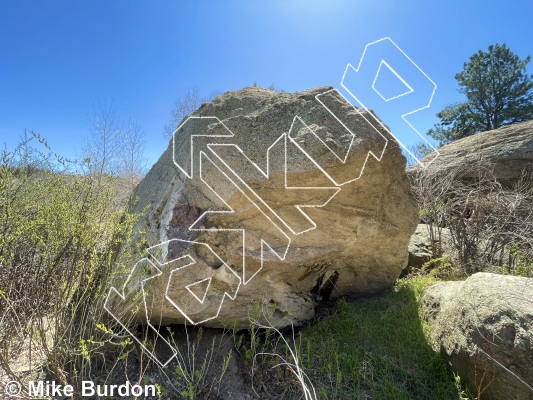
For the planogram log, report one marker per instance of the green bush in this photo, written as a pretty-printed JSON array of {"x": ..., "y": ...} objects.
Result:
[{"x": 60, "y": 231}]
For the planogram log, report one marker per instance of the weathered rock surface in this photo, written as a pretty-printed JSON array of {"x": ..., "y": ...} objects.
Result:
[
  {"x": 484, "y": 326},
  {"x": 508, "y": 151},
  {"x": 352, "y": 240},
  {"x": 420, "y": 246}
]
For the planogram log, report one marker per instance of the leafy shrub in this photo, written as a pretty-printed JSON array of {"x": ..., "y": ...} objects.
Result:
[{"x": 60, "y": 231}]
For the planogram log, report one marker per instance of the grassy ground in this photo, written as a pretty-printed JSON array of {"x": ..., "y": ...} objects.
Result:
[{"x": 372, "y": 348}]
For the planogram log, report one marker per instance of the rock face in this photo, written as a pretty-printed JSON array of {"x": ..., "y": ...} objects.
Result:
[
  {"x": 420, "y": 245},
  {"x": 272, "y": 201},
  {"x": 508, "y": 150},
  {"x": 484, "y": 326}
]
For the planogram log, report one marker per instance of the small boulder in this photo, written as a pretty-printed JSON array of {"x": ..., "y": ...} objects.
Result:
[{"x": 484, "y": 327}]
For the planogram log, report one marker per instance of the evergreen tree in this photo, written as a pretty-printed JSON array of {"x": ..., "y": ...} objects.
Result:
[{"x": 498, "y": 90}]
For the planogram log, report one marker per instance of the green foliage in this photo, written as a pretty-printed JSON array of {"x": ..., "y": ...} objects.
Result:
[
  {"x": 422, "y": 149},
  {"x": 462, "y": 394},
  {"x": 518, "y": 263},
  {"x": 196, "y": 375},
  {"x": 442, "y": 268},
  {"x": 60, "y": 232},
  {"x": 456, "y": 122},
  {"x": 498, "y": 90}
]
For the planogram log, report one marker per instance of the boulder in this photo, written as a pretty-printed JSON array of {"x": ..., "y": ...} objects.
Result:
[
  {"x": 420, "y": 249},
  {"x": 267, "y": 203},
  {"x": 484, "y": 327},
  {"x": 507, "y": 151}
]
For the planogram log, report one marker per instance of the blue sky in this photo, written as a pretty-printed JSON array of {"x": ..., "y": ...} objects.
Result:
[{"x": 59, "y": 58}]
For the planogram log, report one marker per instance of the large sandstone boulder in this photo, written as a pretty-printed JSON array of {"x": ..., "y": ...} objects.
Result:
[
  {"x": 484, "y": 327},
  {"x": 507, "y": 151},
  {"x": 268, "y": 202}
]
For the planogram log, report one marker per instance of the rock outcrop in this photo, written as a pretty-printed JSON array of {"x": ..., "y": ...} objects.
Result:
[
  {"x": 272, "y": 201},
  {"x": 507, "y": 151},
  {"x": 484, "y": 327}
]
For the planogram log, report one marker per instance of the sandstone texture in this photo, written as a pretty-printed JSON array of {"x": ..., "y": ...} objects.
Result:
[
  {"x": 266, "y": 203},
  {"x": 507, "y": 151},
  {"x": 484, "y": 327}
]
